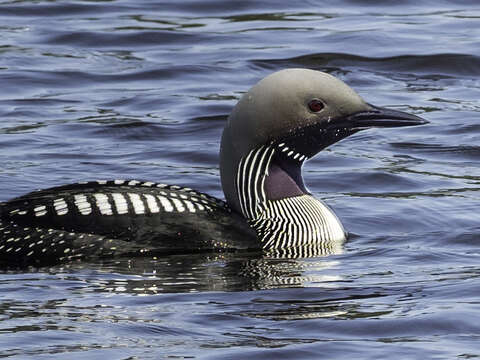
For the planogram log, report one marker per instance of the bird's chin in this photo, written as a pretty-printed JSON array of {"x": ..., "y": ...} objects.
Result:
[{"x": 305, "y": 143}]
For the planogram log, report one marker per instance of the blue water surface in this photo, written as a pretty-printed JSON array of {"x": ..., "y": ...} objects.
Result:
[{"x": 141, "y": 89}]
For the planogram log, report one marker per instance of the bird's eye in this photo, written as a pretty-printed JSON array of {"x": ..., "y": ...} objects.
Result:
[{"x": 315, "y": 105}]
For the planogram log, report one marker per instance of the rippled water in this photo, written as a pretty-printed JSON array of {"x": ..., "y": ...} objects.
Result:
[{"x": 141, "y": 89}]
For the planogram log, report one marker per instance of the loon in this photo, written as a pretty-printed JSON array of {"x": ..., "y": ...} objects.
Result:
[{"x": 281, "y": 122}]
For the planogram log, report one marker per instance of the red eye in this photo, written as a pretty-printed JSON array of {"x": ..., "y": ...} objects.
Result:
[{"x": 315, "y": 105}]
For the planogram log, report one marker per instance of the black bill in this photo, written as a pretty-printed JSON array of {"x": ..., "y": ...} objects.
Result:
[{"x": 383, "y": 117}]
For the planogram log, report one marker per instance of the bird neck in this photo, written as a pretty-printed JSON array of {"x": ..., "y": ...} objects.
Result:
[
  {"x": 268, "y": 191},
  {"x": 261, "y": 176}
]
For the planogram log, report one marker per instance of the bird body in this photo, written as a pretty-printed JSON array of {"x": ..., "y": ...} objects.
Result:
[{"x": 284, "y": 120}]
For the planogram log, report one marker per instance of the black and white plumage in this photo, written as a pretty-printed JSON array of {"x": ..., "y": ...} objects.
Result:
[
  {"x": 120, "y": 217},
  {"x": 286, "y": 222},
  {"x": 280, "y": 123}
]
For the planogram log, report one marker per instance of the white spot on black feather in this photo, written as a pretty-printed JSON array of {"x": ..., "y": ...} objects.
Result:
[
  {"x": 103, "y": 204},
  {"x": 178, "y": 205},
  {"x": 82, "y": 203},
  {"x": 137, "y": 203},
  {"x": 190, "y": 206},
  {"x": 120, "y": 203},
  {"x": 152, "y": 203},
  {"x": 61, "y": 206},
  {"x": 165, "y": 202}
]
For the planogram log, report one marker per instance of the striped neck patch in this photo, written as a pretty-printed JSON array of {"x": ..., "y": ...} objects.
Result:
[{"x": 291, "y": 221}]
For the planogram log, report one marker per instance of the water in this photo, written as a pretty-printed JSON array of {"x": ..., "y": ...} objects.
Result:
[{"x": 141, "y": 89}]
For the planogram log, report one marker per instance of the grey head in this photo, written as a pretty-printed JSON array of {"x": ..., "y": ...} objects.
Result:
[{"x": 297, "y": 112}]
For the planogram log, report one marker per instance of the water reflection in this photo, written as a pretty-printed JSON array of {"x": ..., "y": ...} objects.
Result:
[{"x": 204, "y": 272}]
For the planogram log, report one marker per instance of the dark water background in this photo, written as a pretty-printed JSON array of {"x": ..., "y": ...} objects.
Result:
[{"x": 141, "y": 89}]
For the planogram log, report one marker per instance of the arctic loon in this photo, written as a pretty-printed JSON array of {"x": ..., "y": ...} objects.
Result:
[{"x": 281, "y": 122}]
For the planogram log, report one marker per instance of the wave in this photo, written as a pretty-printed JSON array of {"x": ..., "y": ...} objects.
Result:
[
  {"x": 446, "y": 64},
  {"x": 106, "y": 40}
]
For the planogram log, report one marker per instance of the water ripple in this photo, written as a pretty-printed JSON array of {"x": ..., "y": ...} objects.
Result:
[
  {"x": 431, "y": 65},
  {"x": 141, "y": 89}
]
